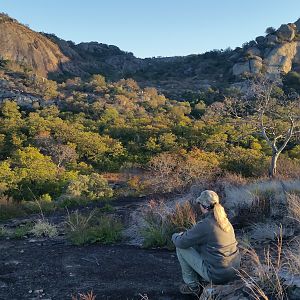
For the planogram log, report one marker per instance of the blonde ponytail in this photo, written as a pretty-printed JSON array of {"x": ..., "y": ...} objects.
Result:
[{"x": 221, "y": 217}]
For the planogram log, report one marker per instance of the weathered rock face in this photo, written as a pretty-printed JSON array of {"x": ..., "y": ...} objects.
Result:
[
  {"x": 277, "y": 53},
  {"x": 253, "y": 65},
  {"x": 20, "y": 44},
  {"x": 280, "y": 59}
]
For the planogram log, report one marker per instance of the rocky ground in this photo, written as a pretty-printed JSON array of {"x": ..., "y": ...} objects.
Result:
[{"x": 52, "y": 268}]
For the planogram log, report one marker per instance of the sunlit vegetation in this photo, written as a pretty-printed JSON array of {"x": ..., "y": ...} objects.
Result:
[{"x": 59, "y": 149}]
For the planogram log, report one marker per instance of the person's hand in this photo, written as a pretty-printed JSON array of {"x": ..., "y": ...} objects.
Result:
[{"x": 176, "y": 234}]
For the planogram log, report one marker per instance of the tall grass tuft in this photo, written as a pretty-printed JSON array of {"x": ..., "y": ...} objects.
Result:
[
  {"x": 87, "y": 229},
  {"x": 264, "y": 281},
  {"x": 161, "y": 222}
]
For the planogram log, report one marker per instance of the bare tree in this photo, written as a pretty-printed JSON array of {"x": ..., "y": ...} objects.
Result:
[
  {"x": 276, "y": 115},
  {"x": 61, "y": 154}
]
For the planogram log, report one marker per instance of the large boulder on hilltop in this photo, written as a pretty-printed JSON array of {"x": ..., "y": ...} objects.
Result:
[
  {"x": 297, "y": 24},
  {"x": 286, "y": 32},
  {"x": 253, "y": 51},
  {"x": 271, "y": 39},
  {"x": 252, "y": 65},
  {"x": 280, "y": 58},
  {"x": 260, "y": 40}
]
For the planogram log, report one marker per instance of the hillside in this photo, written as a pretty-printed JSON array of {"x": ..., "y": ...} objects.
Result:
[{"x": 49, "y": 56}]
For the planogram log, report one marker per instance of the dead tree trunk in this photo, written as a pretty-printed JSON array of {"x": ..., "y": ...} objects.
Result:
[{"x": 273, "y": 143}]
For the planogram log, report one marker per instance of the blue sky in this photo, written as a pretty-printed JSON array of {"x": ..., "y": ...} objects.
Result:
[{"x": 156, "y": 27}]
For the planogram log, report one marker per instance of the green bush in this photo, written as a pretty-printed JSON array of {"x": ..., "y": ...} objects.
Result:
[
  {"x": 246, "y": 162},
  {"x": 22, "y": 230},
  {"x": 93, "y": 187}
]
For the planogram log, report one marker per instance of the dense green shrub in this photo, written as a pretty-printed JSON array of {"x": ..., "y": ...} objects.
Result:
[{"x": 247, "y": 162}]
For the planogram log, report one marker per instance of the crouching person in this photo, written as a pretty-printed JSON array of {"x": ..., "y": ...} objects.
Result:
[{"x": 208, "y": 251}]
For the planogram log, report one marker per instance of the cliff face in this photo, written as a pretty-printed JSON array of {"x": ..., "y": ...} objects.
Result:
[
  {"x": 20, "y": 44},
  {"x": 49, "y": 56}
]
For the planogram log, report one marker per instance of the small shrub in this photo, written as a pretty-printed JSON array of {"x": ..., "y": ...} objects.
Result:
[
  {"x": 176, "y": 171},
  {"x": 43, "y": 228},
  {"x": 22, "y": 230},
  {"x": 92, "y": 187},
  {"x": 46, "y": 198},
  {"x": 68, "y": 202},
  {"x": 88, "y": 229},
  {"x": 3, "y": 231},
  {"x": 161, "y": 222},
  {"x": 12, "y": 209},
  {"x": 33, "y": 207}
]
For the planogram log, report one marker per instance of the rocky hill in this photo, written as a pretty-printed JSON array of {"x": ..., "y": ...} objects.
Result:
[{"x": 49, "y": 56}]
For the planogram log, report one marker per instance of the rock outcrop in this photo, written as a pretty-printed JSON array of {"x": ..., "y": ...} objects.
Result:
[
  {"x": 20, "y": 44},
  {"x": 281, "y": 58},
  {"x": 286, "y": 32},
  {"x": 252, "y": 65},
  {"x": 276, "y": 53}
]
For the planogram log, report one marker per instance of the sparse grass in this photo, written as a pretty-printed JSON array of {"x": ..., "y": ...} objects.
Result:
[
  {"x": 292, "y": 256},
  {"x": 262, "y": 232},
  {"x": 87, "y": 229},
  {"x": 43, "y": 228},
  {"x": 3, "y": 231},
  {"x": 162, "y": 222},
  {"x": 293, "y": 202},
  {"x": 22, "y": 230},
  {"x": 265, "y": 281},
  {"x": 10, "y": 209},
  {"x": 258, "y": 201}
]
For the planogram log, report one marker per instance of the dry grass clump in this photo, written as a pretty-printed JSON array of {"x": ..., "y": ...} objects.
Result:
[
  {"x": 176, "y": 171},
  {"x": 292, "y": 256},
  {"x": 288, "y": 168},
  {"x": 87, "y": 296},
  {"x": 43, "y": 228},
  {"x": 162, "y": 221},
  {"x": 257, "y": 201},
  {"x": 293, "y": 203},
  {"x": 263, "y": 280}
]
